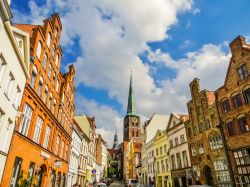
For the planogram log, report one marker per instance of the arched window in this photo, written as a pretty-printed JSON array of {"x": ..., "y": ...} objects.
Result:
[
  {"x": 39, "y": 50},
  {"x": 203, "y": 104},
  {"x": 133, "y": 133},
  {"x": 201, "y": 149},
  {"x": 57, "y": 58},
  {"x": 53, "y": 51},
  {"x": 215, "y": 142},
  {"x": 46, "y": 91},
  {"x": 193, "y": 150},
  {"x": 50, "y": 70},
  {"x": 33, "y": 77},
  {"x": 45, "y": 59},
  {"x": 48, "y": 39},
  {"x": 40, "y": 85}
]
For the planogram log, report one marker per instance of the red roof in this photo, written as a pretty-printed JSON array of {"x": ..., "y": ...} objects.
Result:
[{"x": 26, "y": 27}]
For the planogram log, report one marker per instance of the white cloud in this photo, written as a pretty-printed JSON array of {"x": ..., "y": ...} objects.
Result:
[
  {"x": 107, "y": 119},
  {"x": 111, "y": 35}
]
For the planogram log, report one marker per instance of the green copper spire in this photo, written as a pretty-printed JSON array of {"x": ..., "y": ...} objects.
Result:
[{"x": 131, "y": 111}]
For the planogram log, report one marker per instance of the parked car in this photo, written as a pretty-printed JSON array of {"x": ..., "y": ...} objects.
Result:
[
  {"x": 131, "y": 183},
  {"x": 101, "y": 184}
]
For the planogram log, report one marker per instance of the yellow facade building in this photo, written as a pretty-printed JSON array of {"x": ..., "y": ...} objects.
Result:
[{"x": 162, "y": 167}]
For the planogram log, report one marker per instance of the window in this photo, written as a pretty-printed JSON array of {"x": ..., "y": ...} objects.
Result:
[
  {"x": 2, "y": 67},
  {"x": 237, "y": 100},
  {"x": 46, "y": 91},
  {"x": 57, "y": 145},
  {"x": 201, "y": 149},
  {"x": 242, "y": 157},
  {"x": 196, "y": 171},
  {"x": 9, "y": 84},
  {"x": 193, "y": 150},
  {"x": 45, "y": 59},
  {"x": 178, "y": 158},
  {"x": 176, "y": 141},
  {"x": 195, "y": 130},
  {"x": 57, "y": 85},
  {"x": 225, "y": 106},
  {"x": 53, "y": 51},
  {"x": 243, "y": 126},
  {"x": 39, "y": 50},
  {"x": 57, "y": 58},
  {"x": 157, "y": 151},
  {"x": 31, "y": 171},
  {"x": 54, "y": 107},
  {"x": 171, "y": 143},
  {"x": 242, "y": 71},
  {"x": 161, "y": 150},
  {"x": 54, "y": 79},
  {"x": 17, "y": 97},
  {"x": 167, "y": 167},
  {"x": 33, "y": 77},
  {"x": 230, "y": 128},
  {"x": 40, "y": 85},
  {"x": 182, "y": 137},
  {"x": 25, "y": 123},
  {"x": 46, "y": 137},
  {"x": 158, "y": 167},
  {"x": 162, "y": 166},
  {"x": 201, "y": 128},
  {"x": 215, "y": 142},
  {"x": 16, "y": 172},
  {"x": 165, "y": 148},
  {"x": 246, "y": 94},
  {"x": 173, "y": 162},
  {"x": 189, "y": 132},
  {"x": 185, "y": 158},
  {"x": 48, "y": 39},
  {"x": 6, "y": 136},
  {"x": 221, "y": 170},
  {"x": 38, "y": 129},
  {"x": 50, "y": 70},
  {"x": 62, "y": 148},
  {"x": 50, "y": 101}
]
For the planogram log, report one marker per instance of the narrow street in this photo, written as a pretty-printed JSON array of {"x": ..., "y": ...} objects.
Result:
[{"x": 117, "y": 183}]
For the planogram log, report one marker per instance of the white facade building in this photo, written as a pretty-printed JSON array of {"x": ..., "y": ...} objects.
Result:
[
  {"x": 178, "y": 151},
  {"x": 76, "y": 146},
  {"x": 14, "y": 70},
  {"x": 104, "y": 160}
]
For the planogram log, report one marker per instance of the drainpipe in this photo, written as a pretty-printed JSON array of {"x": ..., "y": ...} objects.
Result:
[{"x": 221, "y": 128}]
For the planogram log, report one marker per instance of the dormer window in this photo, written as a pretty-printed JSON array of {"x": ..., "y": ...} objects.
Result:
[{"x": 242, "y": 71}]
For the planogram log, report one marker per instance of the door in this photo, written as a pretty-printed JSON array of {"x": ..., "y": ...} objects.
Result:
[{"x": 208, "y": 176}]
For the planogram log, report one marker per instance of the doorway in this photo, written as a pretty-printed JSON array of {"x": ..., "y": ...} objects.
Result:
[{"x": 208, "y": 176}]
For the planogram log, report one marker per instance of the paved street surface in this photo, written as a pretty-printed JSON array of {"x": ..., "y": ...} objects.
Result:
[{"x": 117, "y": 183}]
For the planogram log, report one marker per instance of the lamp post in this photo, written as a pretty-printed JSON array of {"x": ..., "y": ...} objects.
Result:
[{"x": 221, "y": 128}]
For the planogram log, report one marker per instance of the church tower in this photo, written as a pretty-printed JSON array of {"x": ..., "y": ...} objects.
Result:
[
  {"x": 131, "y": 123},
  {"x": 115, "y": 140}
]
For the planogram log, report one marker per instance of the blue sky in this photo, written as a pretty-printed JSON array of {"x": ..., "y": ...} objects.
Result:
[{"x": 166, "y": 43}]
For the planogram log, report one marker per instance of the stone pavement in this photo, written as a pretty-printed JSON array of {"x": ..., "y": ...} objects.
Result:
[{"x": 117, "y": 183}]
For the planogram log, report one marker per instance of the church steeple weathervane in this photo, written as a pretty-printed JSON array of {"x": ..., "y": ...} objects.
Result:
[{"x": 131, "y": 110}]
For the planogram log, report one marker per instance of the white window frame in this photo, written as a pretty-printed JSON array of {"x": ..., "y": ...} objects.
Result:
[
  {"x": 38, "y": 129},
  {"x": 3, "y": 65},
  {"x": 9, "y": 84},
  {"x": 26, "y": 119},
  {"x": 46, "y": 137}
]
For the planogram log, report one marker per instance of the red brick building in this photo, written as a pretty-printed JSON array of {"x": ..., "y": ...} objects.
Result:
[
  {"x": 233, "y": 100},
  {"x": 40, "y": 145}
]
